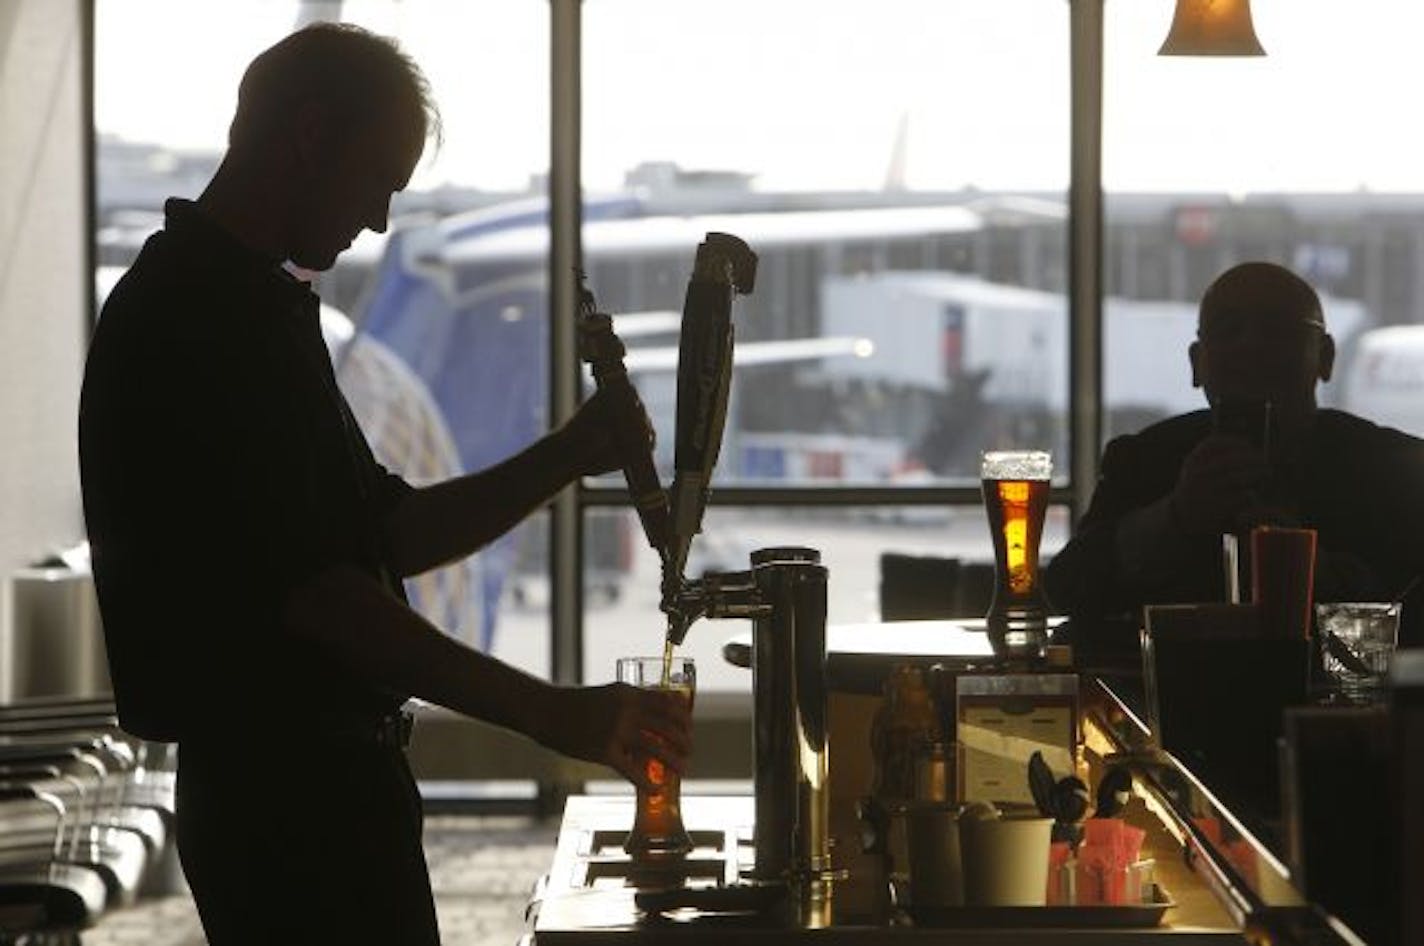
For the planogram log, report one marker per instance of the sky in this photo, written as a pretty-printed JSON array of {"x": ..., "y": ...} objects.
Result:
[{"x": 811, "y": 94}]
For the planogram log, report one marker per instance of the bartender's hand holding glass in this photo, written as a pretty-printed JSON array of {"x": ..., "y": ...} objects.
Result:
[
  {"x": 1220, "y": 487},
  {"x": 657, "y": 830},
  {"x": 622, "y": 726}
]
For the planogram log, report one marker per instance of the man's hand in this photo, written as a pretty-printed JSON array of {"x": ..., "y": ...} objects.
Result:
[
  {"x": 589, "y": 434},
  {"x": 603, "y": 435},
  {"x": 1220, "y": 486},
  {"x": 621, "y": 726}
]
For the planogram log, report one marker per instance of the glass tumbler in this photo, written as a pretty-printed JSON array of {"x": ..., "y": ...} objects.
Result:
[
  {"x": 1357, "y": 641},
  {"x": 1015, "y": 488},
  {"x": 657, "y": 824}
]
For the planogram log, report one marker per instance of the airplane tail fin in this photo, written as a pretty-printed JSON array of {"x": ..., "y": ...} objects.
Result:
[
  {"x": 895, "y": 172},
  {"x": 314, "y": 11}
]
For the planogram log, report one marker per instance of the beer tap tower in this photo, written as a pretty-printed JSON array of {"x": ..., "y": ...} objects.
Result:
[{"x": 783, "y": 593}]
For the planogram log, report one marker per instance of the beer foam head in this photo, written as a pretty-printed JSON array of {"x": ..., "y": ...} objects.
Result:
[{"x": 1016, "y": 465}]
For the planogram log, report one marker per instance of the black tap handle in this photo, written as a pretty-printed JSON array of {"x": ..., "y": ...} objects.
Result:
[
  {"x": 604, "y": 351},
  {"x": 724, "y": 267}
]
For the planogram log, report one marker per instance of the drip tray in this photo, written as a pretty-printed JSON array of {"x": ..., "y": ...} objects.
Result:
[
  {"x": 602, "y": 863},
  {"x": 610, "y": 843},
  {"x": 643, "y": 875}
]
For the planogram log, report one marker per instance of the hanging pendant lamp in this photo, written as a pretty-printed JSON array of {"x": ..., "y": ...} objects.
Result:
[{"x": 1212, "y": 28}]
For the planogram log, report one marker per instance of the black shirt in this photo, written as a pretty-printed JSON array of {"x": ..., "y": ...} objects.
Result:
[
  {"x": 1359, "y": 485},
  {"x": 221, "y": 468}
]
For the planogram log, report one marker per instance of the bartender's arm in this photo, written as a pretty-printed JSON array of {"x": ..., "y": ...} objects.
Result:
[
  {"x": 439, "y": 524},
  {"x": 359, "y": 624}
]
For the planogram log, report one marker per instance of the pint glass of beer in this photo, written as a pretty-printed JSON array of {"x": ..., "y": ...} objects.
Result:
[
  {"x": 657, "y": 825},
  {"x": 1015, "y": 485}
]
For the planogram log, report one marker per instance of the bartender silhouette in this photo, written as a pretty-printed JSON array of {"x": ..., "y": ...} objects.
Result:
[
  {"x": 248, "y": 549},
  {"x": 1166, "y": 495}
]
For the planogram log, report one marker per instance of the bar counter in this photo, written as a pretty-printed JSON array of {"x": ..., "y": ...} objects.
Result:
[
  {"x": 1220, "y": 892},
  {"x": 585, "y": 898},
  {"x": 1219, "y": 869}
]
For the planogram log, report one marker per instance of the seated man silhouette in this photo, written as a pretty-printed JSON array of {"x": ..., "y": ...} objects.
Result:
[{"x": 1165, "y": 496}]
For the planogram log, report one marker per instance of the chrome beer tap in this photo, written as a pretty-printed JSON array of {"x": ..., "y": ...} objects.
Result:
[{"x": 783, "y": 592}]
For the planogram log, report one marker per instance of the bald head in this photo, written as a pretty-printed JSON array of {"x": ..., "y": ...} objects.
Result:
[
  {"x": 1265, "y": 292},
  {"x": 1261, "y": 337}
]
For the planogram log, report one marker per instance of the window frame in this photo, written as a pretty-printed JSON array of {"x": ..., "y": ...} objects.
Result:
[{"x": 1085, "y": 287}]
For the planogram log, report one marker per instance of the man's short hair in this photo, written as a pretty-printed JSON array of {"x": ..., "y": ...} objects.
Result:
[{"x": 352, "y": 72}]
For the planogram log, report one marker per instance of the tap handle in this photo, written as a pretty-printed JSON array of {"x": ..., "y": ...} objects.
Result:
[
  {"x": 604, "y": 351},
  {"x": 724, "y": 267}
]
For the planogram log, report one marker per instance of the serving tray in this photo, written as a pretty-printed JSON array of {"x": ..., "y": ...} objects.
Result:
[{"x": 1093, "y": 916}]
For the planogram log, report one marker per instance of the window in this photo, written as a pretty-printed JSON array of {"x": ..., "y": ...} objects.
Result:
[
  {"x": 1212, "y": 162},
  {"x": 902, "y": 178},
  {"x": 900, "y": 171},
  {"x": 162, "y": 110}
]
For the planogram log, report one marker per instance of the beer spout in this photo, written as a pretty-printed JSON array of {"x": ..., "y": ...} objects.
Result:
[
  {"x": 677, "y": 627},
  {"x": 683, "y": 604},
  {"x": 714, "y": 595}
]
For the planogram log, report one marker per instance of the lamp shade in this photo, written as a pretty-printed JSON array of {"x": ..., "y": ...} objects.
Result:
[{"x": 1212, "y": 28}]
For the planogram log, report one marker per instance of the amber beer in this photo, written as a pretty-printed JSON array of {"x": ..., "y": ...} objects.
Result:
[
  {"x": 657, "y": 822},
  {"x": 1015, "y": 488}
]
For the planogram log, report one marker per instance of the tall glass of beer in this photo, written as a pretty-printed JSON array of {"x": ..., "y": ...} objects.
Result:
[
  {"x": 1015, "y": 485},
  {"x": 657, "y": 825}
]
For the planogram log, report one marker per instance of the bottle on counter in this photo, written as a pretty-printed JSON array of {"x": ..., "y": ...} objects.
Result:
[
  {"x": 934, "y": 772},
  {"x": 905, "y": 722}
]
